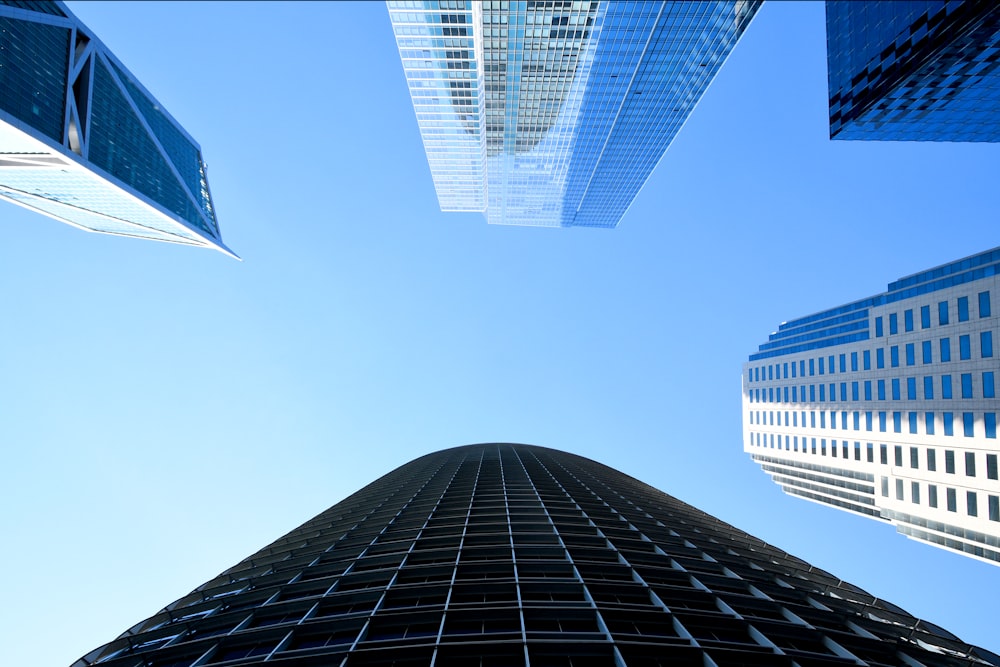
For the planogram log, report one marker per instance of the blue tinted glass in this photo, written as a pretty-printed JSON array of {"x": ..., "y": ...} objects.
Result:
[
  {"x": 986, "y": 343},
  {"x": 854, "y": 391},
  {"x": 928, "y": 386},
  {"x": 963, "y": 308},
  {"x": 880, "y": 358},
  {"x": 964, "y": 347},
  {"x": 948, "y": 419},
  {"x": 910, "y": 354},
  {"x": 822, "y": 362},
  {"x": 968, "y": 424},
  {"x": 925, "y": 348},
  {"x": 908, "y": 320},
  {"x": 854, "y": 361},
  {"x": 943, "y": 312},
  {"x": 895, "y": 389},
  {"x": 911, "y": 389},
  {"x": 881, "y": 390},
  {"x": 894, "y": 356},
  {"x": 989, "y": 391},
  {"x": 868, "y": 390},
  {"x": 929, "y": 427},
  {"x": 925, "y": 317},
  {"x": 984, "y": 304},
  {"x": 945, "y": 386},
  {"x": 34, "y": 63},
  {"x": 893, "y": 323},
  {"x": 878, "y": 327},
  {"x": 913, "y": 424},
  {"x": 867, "y": 357},
  {"x": 966, "y": 385},
  {"x": 990, "y": 422},
  {"x": 945, "y": 349},
  {"x": 897, "y": 422}
]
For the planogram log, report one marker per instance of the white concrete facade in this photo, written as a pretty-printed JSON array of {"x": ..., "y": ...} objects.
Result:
[{"x": 887, "y": 407}]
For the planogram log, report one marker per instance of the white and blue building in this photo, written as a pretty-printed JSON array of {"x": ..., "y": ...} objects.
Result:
[
  {"x": 887, "y": 407},
  {"x": 83, "y": 142}
]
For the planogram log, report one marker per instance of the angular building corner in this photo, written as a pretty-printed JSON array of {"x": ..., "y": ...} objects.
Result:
[
  {"x": 914, "y": 71},
  {"x": 82, "y": 141},
  {"x": 515, "y": 555},
  {"x": 555, "y": 114},
  {"x": 887, "y": 407}
]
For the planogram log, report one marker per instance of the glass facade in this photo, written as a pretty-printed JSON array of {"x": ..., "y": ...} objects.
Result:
[
  {"x": 918, "y": 396},
  {"x": 914, "y": 71},
  {"x": 83, "y": 142},
  {"x": 514, "y": 555},
  {"x": 555, "y": 113}
]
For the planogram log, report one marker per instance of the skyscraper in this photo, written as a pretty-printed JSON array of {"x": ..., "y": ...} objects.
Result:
[
  {"x": 555, "y": 113},
  {"x": 82, "y": 141},
  {"x": 887, "y": 406},
  {"x": 914, "y": 71},
  {"x": 500, "y": 554}
]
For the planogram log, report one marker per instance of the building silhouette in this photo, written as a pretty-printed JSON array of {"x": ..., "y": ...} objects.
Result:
[
  {"x": 555, "y": 113},
  {"x": 82, "y": 141},
  {"x": 914, "y": 71},
  {"x": 886, "y": 407},
  {"x": 501, "y": 554}
]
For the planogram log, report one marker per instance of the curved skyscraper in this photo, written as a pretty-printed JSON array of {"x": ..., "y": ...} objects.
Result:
[{"x": 501, "y": 554}]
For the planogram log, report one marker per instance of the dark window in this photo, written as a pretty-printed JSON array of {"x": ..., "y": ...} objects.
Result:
[
  {"x": 984, "y": 304},
  {"x": 925, "y": 317},
  {"x": 943, "y": 312},
  {"x": 949, "y": 461},
  {"x": 963, "y": 309},
  {"x": 893, "y": 323},
  {"x": 970, "y": 464},
  {"x": 908, "y": 320},
  {"x": 878, "y": 327},
  {"x": 945, "y": 349}
]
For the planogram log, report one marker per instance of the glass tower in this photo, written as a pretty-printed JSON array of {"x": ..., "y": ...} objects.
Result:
[
  {"x": 82, "y": 141},
  {"x": 555, "y": 113},
  {"x": 887, "y": 407},
  {"x": 914, "y": 71},
  {"x": 500, "y": 554}
]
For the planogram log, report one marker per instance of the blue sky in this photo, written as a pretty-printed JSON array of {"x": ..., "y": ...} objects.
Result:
[{"x": 167, "y": 410}]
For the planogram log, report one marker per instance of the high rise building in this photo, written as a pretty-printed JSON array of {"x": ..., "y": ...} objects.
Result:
[
  {"x": 82, "y": 141},
  {"x": 887, "y": 406},
  {"x": 555, "y": 113},
  {"x": 500, "y": 554},
  {"x": 914, "y": 71}
]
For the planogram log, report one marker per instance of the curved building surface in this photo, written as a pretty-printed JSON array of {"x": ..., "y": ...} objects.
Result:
[{"x": 502, "y": 554}]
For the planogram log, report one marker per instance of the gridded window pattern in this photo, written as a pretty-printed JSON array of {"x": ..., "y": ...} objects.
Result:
[
  {"x": 502, "y": 554},
  {"x": 913, "y": 71},
  {"x": 85, "y": 143},
  {"x": 554, "y": 113}
]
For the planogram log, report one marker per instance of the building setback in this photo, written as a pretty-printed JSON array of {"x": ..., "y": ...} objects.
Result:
[
  {"x": 555, "y": 113},
  {"x": 500, "y": 554},
  {"x": 886, "y": 407},
  {"x": 82, "y": 141},
  {"x": 914, "y": 71}
]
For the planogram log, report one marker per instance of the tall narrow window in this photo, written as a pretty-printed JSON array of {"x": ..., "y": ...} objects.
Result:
[
  {"x": 932, "y": 459},
  {"x": 952, "y": 500},
  {"x": 867, "y": 357},
  {"x": 970, "y": 464},
  {"x": 984, "y": 304},
  {"x": 908, "y": 320},
  {"x": 945, "y": 386},
  {"x": 964, "y": 347},
  {"x": 943, "y": 312},
  {"x": 925, "y": 349},
  {"x": 878, "y": 327},
  {"x": 932, "y": 495},
  {"x": 991, "y": 466},
  {"x": 971, "y": 503},
  {"x": 925, "y": 317},
  {"x": 986, "y": 344},
  {"x": 963, "y": 309},
  {"x": 966, "y": 385},
  {"x": 893, "y": 323},
  {"x": 945, "y": 349},
  {"x": 894, "y": 356}
]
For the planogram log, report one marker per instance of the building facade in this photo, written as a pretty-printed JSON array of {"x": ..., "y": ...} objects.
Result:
[
  {"x": 82, "y": 141},
  {"x": 555, "y": 113},
  {"x": 887, "y": 407},
  {"x": 914, "y": 71},
  {"x": 501, "y": 554}
]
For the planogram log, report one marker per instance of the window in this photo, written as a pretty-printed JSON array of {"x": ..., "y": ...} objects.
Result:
[
  {"x": 881, "y": 423},
  {"x": 968, "y": 424},
  {"x": 895, "y": 389},
  {"x": 945, "y": 349},
  {"x": 822, "y": 392},
  {"x": 952, "y": 500},
  {"x": 870, "y": 448},
  {"x": 990, "y": 424},
  {"x": 964, "y": 348},
  {"x": 822, "y": 361},
  {"x": 843, "y": 391},
  {"x": 948, "y": 419},
  {"x": 929, "y": 423},
  {"x": 963, "y": 309},
  {"x": 984, "y": 304},
  {"x": 994, "y": 503},
  {"x": 925, "y": 352},
  {"x": 932, "y": 495},
  {"x": 945, "y": 386},
  {"x": 899, "y": 489},
  {"x": 883, "y": 454},
  {"x": 911, "y": 389},
  {"x": 854, "y": 391},
  {"x": 971, "y": 503},
  {"x": 910, "y": 355},
  {"x": 914, "y": 457},
  {"x": 949, "y": 461},
  {"x": 854, "y": 361},
  {"x": 880, "y": 358},
  {"x": 991, "y": 466},
  {"x": 812, "y": 394},
  {"x": 893, "y": 323},
  {"x": 878, "y": 327},
  {"x": 897, "y": 422},
  {"x": 986, "y": 344},
  {"x": 928, "y": 387},
  {"x": 970, "y": 464},
  {"x": 932, "y": 459},
  {"x": 925, "y": 317},
  {"x": 915, "y": 492},
  {"x": 868, "y": 390},
  {"x": 867, "y": 358},
  {"x": 868, "y": 421},
  {"x": 943, "y": 312},
  {"x": 812, "y": 367},
  {"x": 897, "y": 455},
  {"x": 843, "y": 363},
  {"x": 881, "y": 390},
  {"x": 966, "y": 385},
  {"x": 894, "y": 355},
  {"x": 793, "y": 369},
  {"x": 913, "y": 422},
  {"x": 908, "y": 320}
]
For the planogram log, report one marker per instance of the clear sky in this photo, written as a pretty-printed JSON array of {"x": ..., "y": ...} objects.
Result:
[{"x": 165, "y": 411}]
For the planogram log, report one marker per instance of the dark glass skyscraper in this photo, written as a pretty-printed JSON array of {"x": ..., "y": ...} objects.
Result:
[
  {"x": 914, "y": 71},
  {"x": 500, "y": 554}
]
